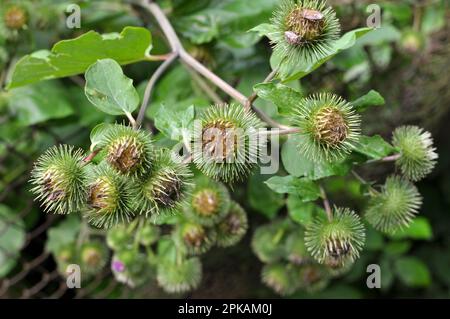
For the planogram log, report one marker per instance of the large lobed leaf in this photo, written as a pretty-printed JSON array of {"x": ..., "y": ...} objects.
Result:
[{"x": 74, "y": 56}]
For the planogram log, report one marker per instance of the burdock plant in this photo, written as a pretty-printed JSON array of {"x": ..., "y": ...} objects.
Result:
[
  {"x": 143, "y": 193},
  {"x": 280, "y": 277},
  {"x": 108, "y": 201},
  {"x": 180, "y": 276},
  {"x": 395, "y": 206},
  {"x": 128, "y": 151},
  {"x": 166, "y": 187},
  {"x": 196, "y": 238},
  {"x": 338, "y": 241},
  {"x": 59, "y": 178},
  {"x": 417, "y": 154},
  {"x": 15, "y": 17},
  {"x": 329, "y": 125},
  {"x": 232, "y": 227},
  {"x": 93, "y": 257},
  {"x": 226, "y": 143},
  {"x": 209, "y": 202},
  {"x": 305, "y": 30}
]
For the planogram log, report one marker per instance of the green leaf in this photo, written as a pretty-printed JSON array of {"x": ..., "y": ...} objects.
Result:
[
  {"x": 88, "y": 116},
  {"x": 62, "y": 234},
  {"x": 261, "y": 198},
  {"x": 374, "y": 147},
  {"x": 419, "y": 229},
  {"x": 397, "y": 248},
  {"x": 74, "y": 56},
  {"x": 294, "y": 72},
  {"x": 372, "y": 98},
  {"x": 284, "y": 97},
  {"x": 223, "y": 19},
  {"x": 98, "y": 132},
  {"x": 264, "y": 29},
  {"x": 387, "y": 33},
  {"x": 298, "y": 165},
  {"x": 374, "y": 240},
  {"x": 302, "y": 212},
  {"x": 412, "y": 272},
  {"x": 12, "y": 238},
  {"x": 39, "y": 103},
  {"x": 109, "y": 89},
  {"x": 306, "y": 189},
  {"x": 175, "y": 125}
]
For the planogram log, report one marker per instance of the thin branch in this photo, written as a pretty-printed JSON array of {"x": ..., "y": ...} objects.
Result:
[
  {"x": 131, "y": 119},
  {"x": 161, "y": 57},
  {"x": 326, "y": 203},
  {"x": 91, "y": 156},
  {"x": 363, "y": 181},
  {"x": 151, "y": 84},
  {"x": 204, "y": 86},
  {"x": 176, "y": 46},
  {"x": 165, "y": 25},
  {"x": 266, "y": 118},
  {"x": 254, "y": 96},
  {"x": 224, "y": 86},
  {"x": 277, "y": 131},
  {"x": 390, "y": 158}
]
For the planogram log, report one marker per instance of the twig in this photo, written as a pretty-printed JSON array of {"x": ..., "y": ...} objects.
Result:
[
  {"x": 224, "y": 86},
  {"x": 151, "y": 83},
  {"x": 363, "y": 181},
  {"x": 131, "y": 119},
  {"x": 176, "y": 46},
  {"x": 326, "y": 203},
  {"x": 390, "y": 158},
  {"x": 91, "y": 156},
  {"x": 266, "y": 118},
  {"x": 204, "y": 86},
  {"x": 254, "y": 96},
  {"x": 161, "y": 57},
  {"x": 277, "y": 131}
]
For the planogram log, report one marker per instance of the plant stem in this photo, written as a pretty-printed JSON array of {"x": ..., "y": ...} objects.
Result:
[
  {"x": 204, "y": 86},
  {"x": 91, "y": 156},
  {"x": 151, "y": 84},
  {"x": 390, "y": 158},
  {"x": 276, "y": 131},
  {"x": 363, "y": 181},
  {"x": 132, "y": 120},
  {"x": 254, "y": 96},
  {"x": 161, "y": 57},
  {"x": 176, "y": 46},
  {"x": 326, "y": 204}
]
